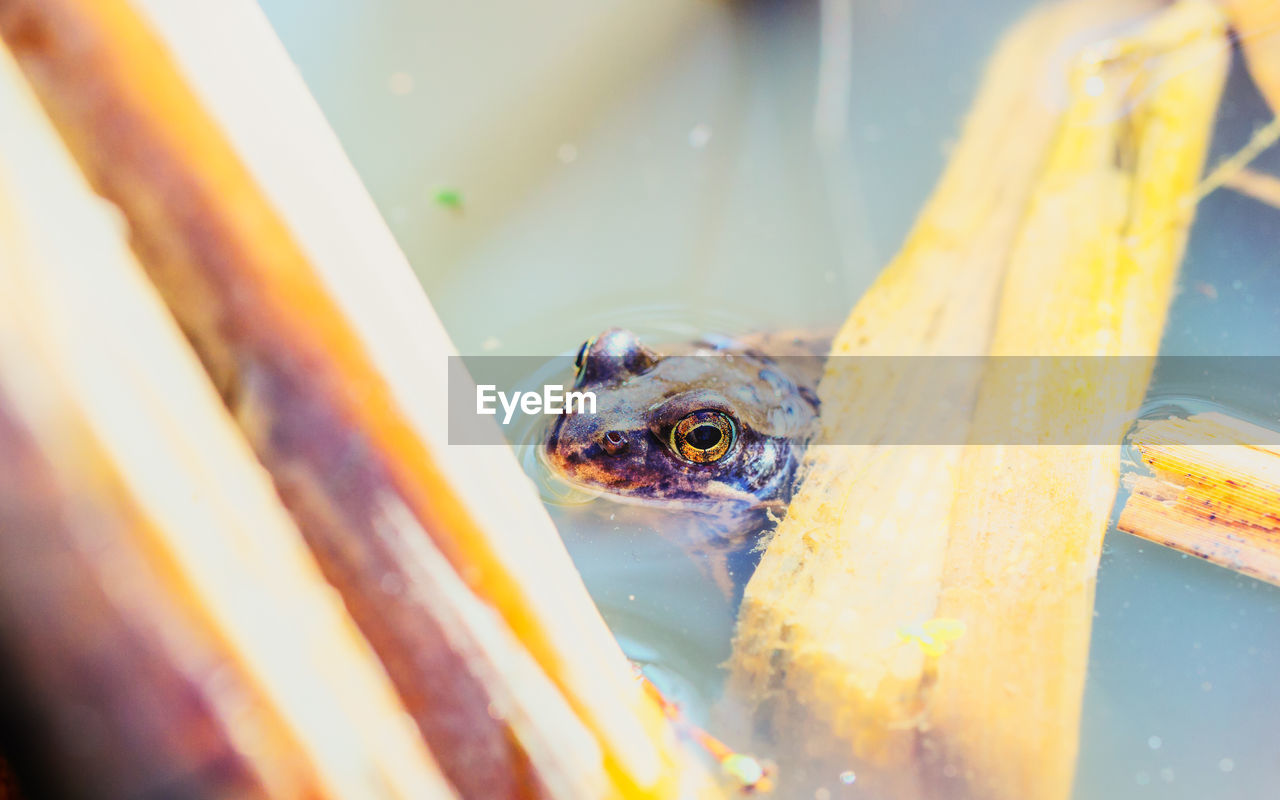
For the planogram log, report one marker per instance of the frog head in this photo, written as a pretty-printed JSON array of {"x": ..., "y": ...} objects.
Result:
[{"x": 711, "y": 430}]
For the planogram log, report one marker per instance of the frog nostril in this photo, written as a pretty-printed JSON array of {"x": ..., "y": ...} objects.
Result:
[{"x": 613, "y": 442}]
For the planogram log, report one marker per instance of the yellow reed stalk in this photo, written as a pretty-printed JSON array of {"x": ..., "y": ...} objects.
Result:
[
  {"x": 928, "y": 608},
  {"x": 1092, "y": 275},
  {"x": 1215, "y": 492}
]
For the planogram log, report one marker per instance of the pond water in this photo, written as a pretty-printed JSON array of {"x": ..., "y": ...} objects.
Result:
[{"x": 661, "y": 171}]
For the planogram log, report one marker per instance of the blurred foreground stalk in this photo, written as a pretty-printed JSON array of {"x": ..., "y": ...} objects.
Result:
[
  {"x": 922, "y": 615},
  {"x": 163, "y": 631},
  {"x": 246, "y": 216}
]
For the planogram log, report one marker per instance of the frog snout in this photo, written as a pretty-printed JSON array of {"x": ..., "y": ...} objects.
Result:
[{"x": 614, "y": 443}]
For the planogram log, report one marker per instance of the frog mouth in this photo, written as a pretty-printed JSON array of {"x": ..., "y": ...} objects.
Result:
[
  {"x": 713, "y": 499},
  {"x": 556, "y": 487}
]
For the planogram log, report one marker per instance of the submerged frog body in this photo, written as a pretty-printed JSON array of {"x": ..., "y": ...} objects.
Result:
[{"x": 715, "y": 429}]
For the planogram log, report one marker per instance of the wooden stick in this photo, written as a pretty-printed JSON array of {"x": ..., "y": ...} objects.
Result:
[
  {"x": 922, "y": 614},
  {"x": 860, "y": 551},
  {"x": 1092, "y": 275},
  {"x": 1215, "y": 493}
]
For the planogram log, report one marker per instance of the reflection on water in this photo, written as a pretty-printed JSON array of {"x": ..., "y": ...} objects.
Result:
[{"x": 687, "y": 193}]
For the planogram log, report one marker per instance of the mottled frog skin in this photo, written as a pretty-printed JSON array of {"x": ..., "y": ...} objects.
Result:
[{"x": 715, "y": 428}]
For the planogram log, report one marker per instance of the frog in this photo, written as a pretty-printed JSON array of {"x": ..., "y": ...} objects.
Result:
[{"x": 713, "y": 430}]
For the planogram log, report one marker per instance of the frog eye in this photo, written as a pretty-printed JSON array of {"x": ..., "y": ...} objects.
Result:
[{"x": 703, "y": 436}]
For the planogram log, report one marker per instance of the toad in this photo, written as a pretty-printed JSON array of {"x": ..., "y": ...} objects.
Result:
[{"x": 715, "y": 429}]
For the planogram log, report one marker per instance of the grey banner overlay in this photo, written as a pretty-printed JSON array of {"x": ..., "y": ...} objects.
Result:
[{"x": 921, "y": 400}]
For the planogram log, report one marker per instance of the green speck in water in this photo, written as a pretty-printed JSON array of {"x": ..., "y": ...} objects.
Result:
[{"x": 449, "y": 198}]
